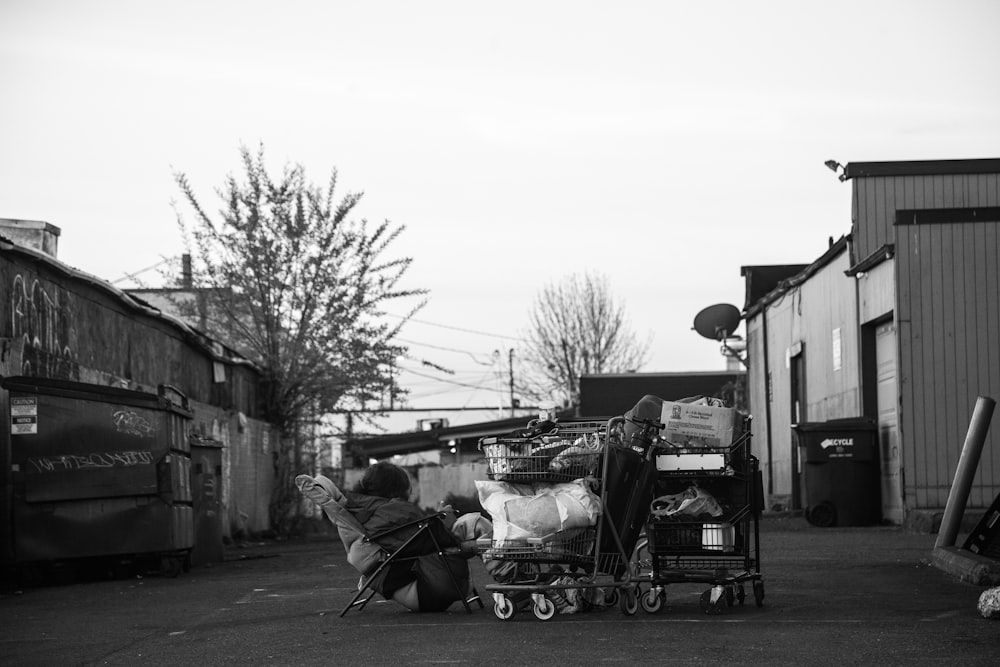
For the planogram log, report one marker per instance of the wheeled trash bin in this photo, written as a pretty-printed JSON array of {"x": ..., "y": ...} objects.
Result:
[{"x": 839, "y": 471}]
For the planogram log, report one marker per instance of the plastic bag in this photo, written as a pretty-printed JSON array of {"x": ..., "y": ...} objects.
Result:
[
  {"x": 691, "y": 503},
  {"x": 521, "y": 511},
  {"x": 579, "y": 458}
]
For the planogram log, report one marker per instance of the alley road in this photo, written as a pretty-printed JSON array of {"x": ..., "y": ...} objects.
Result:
[{"x": 833, "y": 596}]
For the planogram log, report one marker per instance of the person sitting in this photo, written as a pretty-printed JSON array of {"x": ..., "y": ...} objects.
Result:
[{"x": 380, "y": 502}]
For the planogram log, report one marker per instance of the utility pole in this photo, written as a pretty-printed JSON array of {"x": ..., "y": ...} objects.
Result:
[
  {"x": 510, "y": 357},
  {"x": 499, "y": 375}
]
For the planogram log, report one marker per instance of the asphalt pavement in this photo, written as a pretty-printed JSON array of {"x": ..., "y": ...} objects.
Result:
[{"x": 833, "y": 595}]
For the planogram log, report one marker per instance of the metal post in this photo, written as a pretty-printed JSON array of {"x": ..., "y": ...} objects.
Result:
[
  {"x": 510, "y": 355},
  {"x": 966, "y": 470}
]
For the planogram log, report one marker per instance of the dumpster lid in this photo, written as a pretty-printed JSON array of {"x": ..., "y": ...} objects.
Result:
[
  {"x": 93, "y": 392},
  {"x": 842, "y": 424}
]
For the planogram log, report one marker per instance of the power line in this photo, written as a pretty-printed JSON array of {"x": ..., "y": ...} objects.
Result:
[
  {"x": 462, "y": 329},
  {"x": 445, "y": 349},
  {"x": 445, "y": 381},
  {"x": 132, "y": 276}
]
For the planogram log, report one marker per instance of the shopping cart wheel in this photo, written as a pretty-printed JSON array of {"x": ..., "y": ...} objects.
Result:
[
  {"x": 544, "y": 608},
  {"x": 611, "y": 597},
  {"x": 741, "y": 594},
  {"x": 652, "y": 600},
  {"x": 629, "y": 601},
  {"x": 503, "y": 607},
  {"x": 758, "y": 592},
  {"x": 713, "y": 601}
]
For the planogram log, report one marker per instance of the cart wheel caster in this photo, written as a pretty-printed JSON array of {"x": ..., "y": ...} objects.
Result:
[
  {"x": 544, "y": 608},
  {"x": 612, "y": 597},
  {"x": 652, "y": 600},
  {"x": 713, "y": 601},
  {"x": 503, "y": 607},
  {"x": 741, "y": 594},
  {"x": 758, "y": 592},
  {"x": 629, "y": 603}
]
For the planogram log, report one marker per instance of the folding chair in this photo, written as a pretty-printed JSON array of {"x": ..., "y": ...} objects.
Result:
[{"x": 414, "y": 546}]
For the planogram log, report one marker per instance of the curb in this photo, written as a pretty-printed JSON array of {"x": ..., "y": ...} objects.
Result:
[{"x": 967, "y": 566}]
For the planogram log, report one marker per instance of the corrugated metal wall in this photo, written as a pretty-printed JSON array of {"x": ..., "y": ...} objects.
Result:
[
  {"x": 948, "y": 325},
  {"x": 68, "y": 329},
  {"x": 247, "y": 466},
  {"x": 818, "y": 317},
  {"x": 876, "y": 200},
  {"x": 949, "y": 353}
]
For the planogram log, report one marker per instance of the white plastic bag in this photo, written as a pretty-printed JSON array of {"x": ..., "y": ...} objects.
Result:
[
  {"x": 690, "y": 503},
  {"x": 522, "y": 511}
]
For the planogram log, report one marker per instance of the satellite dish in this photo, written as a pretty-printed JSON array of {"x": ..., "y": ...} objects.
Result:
[{"x": 717, "y": 322}]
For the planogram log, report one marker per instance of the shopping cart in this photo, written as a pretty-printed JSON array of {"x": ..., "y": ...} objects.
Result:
[
  {"x": 592, "y": 562},
  {"x": 721, "y": 551}
]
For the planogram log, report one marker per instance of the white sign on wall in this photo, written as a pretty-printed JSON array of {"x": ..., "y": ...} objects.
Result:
[{"x": 836, "y": 349}]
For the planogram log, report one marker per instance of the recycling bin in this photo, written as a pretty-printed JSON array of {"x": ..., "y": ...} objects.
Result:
[{"x": 839, "y": 471}]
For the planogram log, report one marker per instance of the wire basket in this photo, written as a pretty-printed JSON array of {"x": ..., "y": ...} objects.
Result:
[
  {"x": 563, "y": 547},
  {"x": 671, "y": 537},
  {"x": 570, "y": 452}
]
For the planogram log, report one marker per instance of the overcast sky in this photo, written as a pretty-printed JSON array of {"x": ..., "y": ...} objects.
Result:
[{"x": 664, "y": 144}]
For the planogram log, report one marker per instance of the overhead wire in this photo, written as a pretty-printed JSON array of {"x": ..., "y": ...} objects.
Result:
[{"x": 462, "y": 329}]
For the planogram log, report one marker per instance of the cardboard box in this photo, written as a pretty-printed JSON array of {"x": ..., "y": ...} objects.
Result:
[{"x": 692, "y": 425}]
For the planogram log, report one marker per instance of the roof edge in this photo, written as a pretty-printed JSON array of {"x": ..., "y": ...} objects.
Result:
[{"x": 922, "y": 168}]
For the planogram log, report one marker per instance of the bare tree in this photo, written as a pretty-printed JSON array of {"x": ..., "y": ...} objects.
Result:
[
  {"x": 297, "y": 287},
  {"x": 576, "y": 328}
]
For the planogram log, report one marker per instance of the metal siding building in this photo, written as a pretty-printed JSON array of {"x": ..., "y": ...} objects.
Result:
[
  {"x": 803, "y": 346},
  {"x": 939, "y": 220},
  {"x": 924, "y": 342}
]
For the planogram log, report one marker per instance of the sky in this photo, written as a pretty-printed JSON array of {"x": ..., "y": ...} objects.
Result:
[{"x": 662, "y": 144}]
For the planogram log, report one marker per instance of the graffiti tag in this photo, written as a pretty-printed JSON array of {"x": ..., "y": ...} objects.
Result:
[
  {"x": 43, "y": 323},
  {"x": 132, "y": 423},
  {"x": 91, "y": 461}
]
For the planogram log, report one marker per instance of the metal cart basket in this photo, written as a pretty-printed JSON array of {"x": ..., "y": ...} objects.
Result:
[
  {"x": 545, "y": 567},
  {"x": 720, "y": 550}
]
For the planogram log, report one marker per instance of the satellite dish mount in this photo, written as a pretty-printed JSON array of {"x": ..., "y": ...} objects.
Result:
[{"x": 718, "y": 322}]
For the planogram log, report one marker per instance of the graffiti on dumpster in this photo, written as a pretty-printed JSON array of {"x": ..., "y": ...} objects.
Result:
[
  {"x": 93, "y": 460},
  {"x": 132, "y": 423}
]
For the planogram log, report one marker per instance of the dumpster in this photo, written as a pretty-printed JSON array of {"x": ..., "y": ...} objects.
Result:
[
  {"x": 97, "y": 471},
  {"x": 839, "y": 471}
]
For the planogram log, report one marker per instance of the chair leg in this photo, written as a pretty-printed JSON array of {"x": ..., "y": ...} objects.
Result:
[
  {"x": 363, "y": 588},
  {"x": 451, "y": 573}
]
